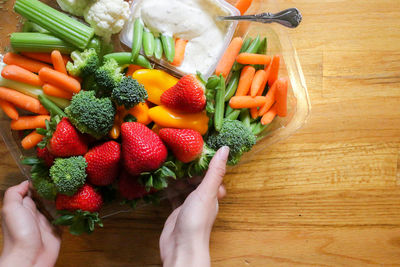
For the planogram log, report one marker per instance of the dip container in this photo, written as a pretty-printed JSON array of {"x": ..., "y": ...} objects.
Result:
[{"x": 279, "y": 42}]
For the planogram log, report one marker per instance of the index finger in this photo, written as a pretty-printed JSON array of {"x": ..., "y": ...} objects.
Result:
[
  {"x": 215, "y": 174},
  {"x": 16, "y": 193}
]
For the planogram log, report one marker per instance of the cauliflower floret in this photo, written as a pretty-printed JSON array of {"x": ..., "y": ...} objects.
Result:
[
  {"x": 74, "y": 7},
  {"x": 107, "y": 17}
]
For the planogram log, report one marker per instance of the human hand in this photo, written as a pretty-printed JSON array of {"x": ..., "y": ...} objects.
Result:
[
  {"x": 186, "y": 234},
  {"x": 29, "y": 238}
]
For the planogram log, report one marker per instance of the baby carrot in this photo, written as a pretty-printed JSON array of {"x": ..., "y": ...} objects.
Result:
[
  {"x": 273, "y": 69},
  {"x": 22, "y": 101},
  {"x": 270, "y": 100},
  {"x": 18, "y": 74},
  {"x": 180, "y": 47},
  {"x": 60, "y": 80},
  {"x": 250, "y": 58},
  {"x": 228, "y": 59},
  {"x": 23, "y": 62},
  {"x": 269, "y": 116},
  {"x": 254, "y": 113},
  {"x": 9, "y": 110},
  {"x": 44, "y": 57},
  {"x": 115, "y": 130},
  {"x": 281, "y": 97},
  {"x": 243, "y": 5},
  {"x": 141, "y": 113},
  {"x": 30, "y": 122},
  {"x": 237, "y": 102},
  {"x": 258, "y": 82},
  {"x": 31, "y": 140},
  {"x": 58, "y": 62},
  {"x": 132, "y": 68},
  {"x": 246, "y": 78}
]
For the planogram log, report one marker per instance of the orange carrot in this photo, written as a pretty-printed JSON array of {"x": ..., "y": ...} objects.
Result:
[
  {"x": 132, "y": 68},
  {"x": 273, "y": 69},
  {"x": 15, "y": 73},
  {"x": 237, "y": 102},
  {"x": 60, "y": 80},
  {"x": 31, "y": 140},
  {"x": 58, "y": 62},
  {"x": 30, "y": 122},
  {"x": 22, "y": 101},
  {"x": 228, "y": 59},
  {"x": 141, "y": 113},
  {"x": 281, "y": 97},
  {"x": 44, "y": 57},
  {"x": 259, "y": 78},
  {"x": 9, "y": 109},
  {"x": 78, "y": 79},
  {"x": 249, "y": 58},
  {"x": 115, "y": 130},
  {"x": 269, "y": 116},
  {"x": 23, "y": 62},
  {"x": 243, "y": 5},
  {"x": 246, "y": 78},
  {"x": 180, "y": 47},
  {"x": 52, "y": 90},
  {"x": 270, "y": 100},
  {"x": 254, "y": 113}
]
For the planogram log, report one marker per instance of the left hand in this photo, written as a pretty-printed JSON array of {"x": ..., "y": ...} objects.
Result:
[{"x": 29, "y": 238}]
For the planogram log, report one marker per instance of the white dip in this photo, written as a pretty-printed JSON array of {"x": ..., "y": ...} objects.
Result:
[{"x": 191, "y": 20}]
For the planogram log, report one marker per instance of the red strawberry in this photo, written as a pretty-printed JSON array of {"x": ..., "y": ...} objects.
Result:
[
  {"x": 103, "y": 163},
  {"x": 129, "y": 187},
  {"x": 142, "y": 149},
  {"x": 186, "y": 144},
  {"x": 86, "y": 199},
  {"x": 187, "y": 95},
  {"x": 67, "y": 141},
  {"x": 44, "y": 154}
]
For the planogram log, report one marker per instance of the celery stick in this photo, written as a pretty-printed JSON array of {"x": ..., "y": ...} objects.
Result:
[
  {"x": 59, "y": 24},
  {"x": 38, "y": 42},
  {"x": 30, "y": 26}
]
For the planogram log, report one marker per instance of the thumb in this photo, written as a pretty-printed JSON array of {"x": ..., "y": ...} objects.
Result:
[{"x": 210, "y": 185}]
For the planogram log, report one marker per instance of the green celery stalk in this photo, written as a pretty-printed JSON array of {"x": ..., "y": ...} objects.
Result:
[
  {"x": 59, "y": 24},
  {"x": 30, "y": 26},
  {"x": 38, "y": 42}
]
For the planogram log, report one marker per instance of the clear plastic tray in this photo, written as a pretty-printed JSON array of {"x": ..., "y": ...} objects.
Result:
[
  {"x": 299, "y": 106},
  {"x": 127, "y": 31}
]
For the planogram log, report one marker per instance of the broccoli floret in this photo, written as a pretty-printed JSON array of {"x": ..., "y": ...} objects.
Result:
[
  {"x": 236, "y": 135},
  {"x": 91, "y": 115},
  {"x": 129, "y": 93},
  {"x": 45, "y": 188},
  {"x": 68, "y": 174},
  {"x": 85, "y": 63},
  {"x": 109, "y": 76}
]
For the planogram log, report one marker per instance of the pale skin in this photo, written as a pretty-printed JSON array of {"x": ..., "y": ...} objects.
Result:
[{"x": 30, "y": 240}]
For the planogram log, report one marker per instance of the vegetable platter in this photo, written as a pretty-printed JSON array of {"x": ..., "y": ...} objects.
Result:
[{"x": 100, "y": 127}]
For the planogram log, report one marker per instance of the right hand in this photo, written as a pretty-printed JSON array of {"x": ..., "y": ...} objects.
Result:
[{"x": 186, "y": 234}]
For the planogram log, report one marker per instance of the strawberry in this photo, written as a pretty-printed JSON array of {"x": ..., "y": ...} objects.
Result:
[
  {"x": 187, "y": 95},
  {"x": 86, "y": 199},
  {"x": 130, "y": 188},
  {"x": 186, "y": 144},
  {"x": 103, "y": 163},
  {"x": 44, "y": 154},
  {"x": 142, "y": 149},
  {"x": 67, "y": 141}
]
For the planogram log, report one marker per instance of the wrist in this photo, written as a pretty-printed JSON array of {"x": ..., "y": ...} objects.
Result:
[{"x": 189, "y": 254}]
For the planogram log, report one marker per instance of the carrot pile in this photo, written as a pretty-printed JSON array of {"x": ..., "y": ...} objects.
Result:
[
  {"x": 259, "y": 89},
  {"x": 38, "y": 70}
]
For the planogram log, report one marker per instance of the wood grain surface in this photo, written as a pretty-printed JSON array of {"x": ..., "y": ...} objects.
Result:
[{"x": 329, "y": 195}]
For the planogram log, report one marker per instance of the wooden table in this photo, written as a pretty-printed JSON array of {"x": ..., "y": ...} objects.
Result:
[{"x": 328, "y": 196}]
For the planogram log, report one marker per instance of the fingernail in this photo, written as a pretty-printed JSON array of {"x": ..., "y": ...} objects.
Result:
[{"x": 223, "y": 153}]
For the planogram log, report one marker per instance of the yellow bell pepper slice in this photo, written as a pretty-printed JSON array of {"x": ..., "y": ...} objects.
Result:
[
  {"x": 165, "y": 117},
  {"x": 155, "y": 82}
]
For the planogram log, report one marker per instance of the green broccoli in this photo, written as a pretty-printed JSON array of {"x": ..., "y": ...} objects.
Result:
[
  {"x": 129, "y": 93},
  {"x": 108, "y": 76},
  {"x": 45, "y": 188},
  {"x": 85, "y": 63},
  {"x": 236, "y": 135},
  {"x": 68, "y": 174},
  {"x": 90, "y": 114}
]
